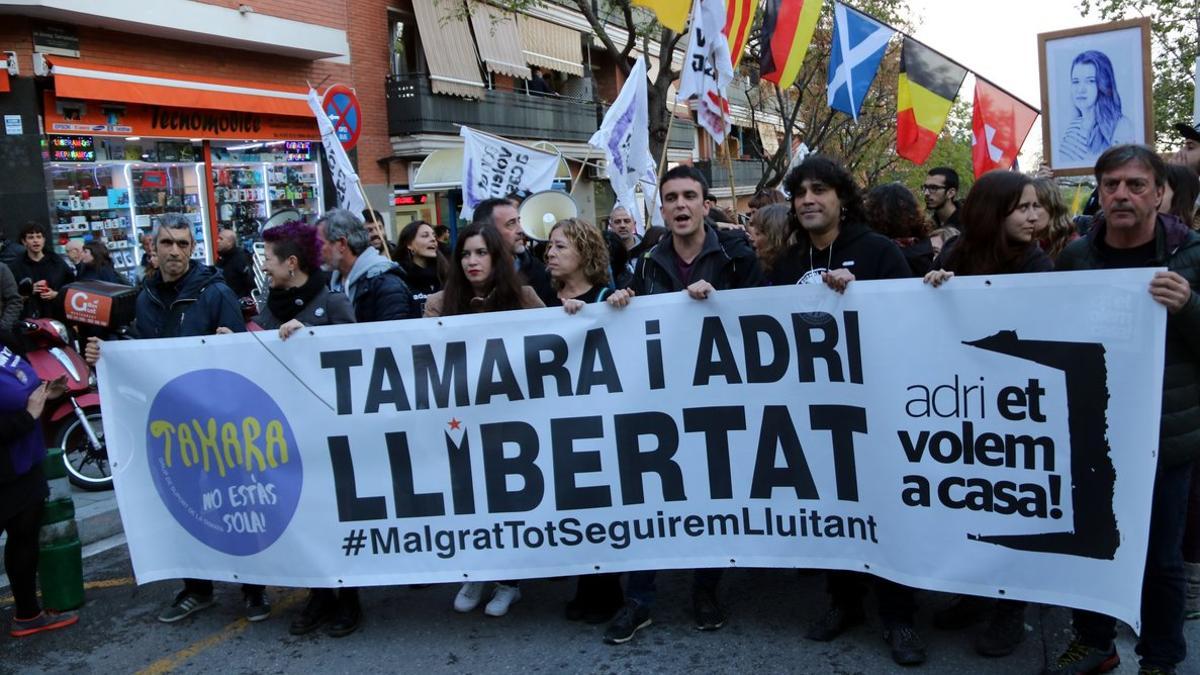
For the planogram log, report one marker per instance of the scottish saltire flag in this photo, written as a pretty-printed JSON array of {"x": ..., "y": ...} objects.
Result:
[{"x": 858, "y": 45}]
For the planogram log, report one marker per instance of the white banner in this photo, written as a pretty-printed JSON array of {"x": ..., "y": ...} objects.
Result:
[
  {"x": 708, "y": 69},
  {"x": 995, "y": 437},
  {"x": 624, "y": 137},
  {"x": 494, "y": 167},
  {"x": 349, "y": 190}
]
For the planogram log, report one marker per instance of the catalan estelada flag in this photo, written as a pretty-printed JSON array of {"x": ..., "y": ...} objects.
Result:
[
  {"x": 929, "y": 84},
  {"x": 787, "y": 31},
  {"x": 671, "y": 13},
  {"x": 739, "y": 17}
]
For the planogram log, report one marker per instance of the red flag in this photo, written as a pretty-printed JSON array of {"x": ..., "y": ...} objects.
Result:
[{"x": 998, "y": 127}]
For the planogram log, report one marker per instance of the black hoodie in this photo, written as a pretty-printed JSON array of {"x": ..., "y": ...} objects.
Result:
[{"x": 867, "y": 254}]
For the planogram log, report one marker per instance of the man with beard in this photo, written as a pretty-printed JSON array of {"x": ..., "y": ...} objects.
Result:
[{"x": 941, "y": 197}]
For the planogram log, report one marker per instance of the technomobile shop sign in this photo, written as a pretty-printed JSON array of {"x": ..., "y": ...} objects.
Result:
[{"x": 994, "y": 437}]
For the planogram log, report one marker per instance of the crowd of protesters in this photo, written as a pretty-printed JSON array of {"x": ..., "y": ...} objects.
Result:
[{"x": 821, "y": 228}]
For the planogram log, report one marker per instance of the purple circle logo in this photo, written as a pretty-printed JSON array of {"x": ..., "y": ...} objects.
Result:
[{"x": 224, "y": 460}]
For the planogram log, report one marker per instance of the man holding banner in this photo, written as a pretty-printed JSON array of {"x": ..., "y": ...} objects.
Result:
[
  {"x": 1131, "y": 233},
  {"x": 700, "y": 260}
]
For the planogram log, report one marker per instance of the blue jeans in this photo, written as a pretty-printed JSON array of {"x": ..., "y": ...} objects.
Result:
[
  {"x": 1161, "y": 643},
  {"x": 641, "y": 587}
]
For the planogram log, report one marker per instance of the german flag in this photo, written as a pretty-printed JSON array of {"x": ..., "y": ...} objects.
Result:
[
  {"x": 739, "y": 17},
  {"x": 929, "y": 84},
  {"x": 787, "y": 31}
]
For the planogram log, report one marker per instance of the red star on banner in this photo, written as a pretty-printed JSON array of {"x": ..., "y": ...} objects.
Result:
[{"x": 454, "y": 424}]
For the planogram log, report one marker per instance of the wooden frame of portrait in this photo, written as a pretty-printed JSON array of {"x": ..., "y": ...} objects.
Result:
[{"x": 1049, "y": 109}]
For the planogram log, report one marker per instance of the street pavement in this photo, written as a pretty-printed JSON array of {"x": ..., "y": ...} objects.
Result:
[{"x": 415, "y": 630}]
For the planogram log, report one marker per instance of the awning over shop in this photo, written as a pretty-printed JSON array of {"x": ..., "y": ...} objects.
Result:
[
  {"x": 75, "y": 79},
  {"x": 551, "y": 46},
  {"x": 499, "y": 41},
  {"x": 449, "y": 50},
  {"x": 441, "y": 170}
]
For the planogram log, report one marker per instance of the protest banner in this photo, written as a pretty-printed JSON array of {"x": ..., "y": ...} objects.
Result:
[{"x": 996, "y": 436}]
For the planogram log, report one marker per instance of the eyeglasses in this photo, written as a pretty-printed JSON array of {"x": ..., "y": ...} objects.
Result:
[
  {"x": 932, "y": 188},
  {"x": 1135, "y": 185}
]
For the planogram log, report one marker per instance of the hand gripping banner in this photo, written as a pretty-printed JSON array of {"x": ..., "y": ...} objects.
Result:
[{"x": 994, "y": 437}]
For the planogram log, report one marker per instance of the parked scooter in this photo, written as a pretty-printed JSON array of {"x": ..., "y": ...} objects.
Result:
[{"x": 72, "y": 422}]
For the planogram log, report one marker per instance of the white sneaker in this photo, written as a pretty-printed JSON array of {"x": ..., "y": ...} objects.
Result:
[
  {"x": 502, "y": 599},
  {"x": 468, "y": 596}
]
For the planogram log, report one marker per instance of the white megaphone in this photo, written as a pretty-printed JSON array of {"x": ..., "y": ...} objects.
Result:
[{"x": 540, "y": 211}]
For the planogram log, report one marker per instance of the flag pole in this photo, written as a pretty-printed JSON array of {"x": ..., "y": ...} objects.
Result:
[
  {"x": 662, "y": 162},
  {"x": 732, "y": 183},
  {"x": 506, "y": 140},
  {"x": 575, "y": 177}
]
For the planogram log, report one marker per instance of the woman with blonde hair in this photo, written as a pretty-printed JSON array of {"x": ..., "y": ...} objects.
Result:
[
  {"x": 770, "y": 233},
  {"x": 1054, "y": 229},
  {"x": 577, "y": 258}
]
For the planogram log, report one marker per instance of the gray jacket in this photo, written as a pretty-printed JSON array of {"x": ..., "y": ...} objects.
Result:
[{"x": 10, "y": 301}]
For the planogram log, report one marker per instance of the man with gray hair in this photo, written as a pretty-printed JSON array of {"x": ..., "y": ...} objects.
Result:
[
  {"x": 374, "y": 284},
  {"x": 376, "y": 288},
  {"x": 186, "y": 298}
]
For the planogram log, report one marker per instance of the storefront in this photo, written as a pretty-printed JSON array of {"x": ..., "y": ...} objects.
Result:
[{"x": 123, "y": 147}]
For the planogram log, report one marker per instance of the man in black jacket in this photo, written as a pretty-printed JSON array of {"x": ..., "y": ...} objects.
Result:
[
  {"x": 234, "y": 263},
  {"x": 503, "y": 215},
  {"x": 697, "y": 259},
  {"x": 186, "y": 299},
  {"x": 941, "y": 197},
  {"x": 835, "y": 247},
  {"x": 46, "y": 269},
  {"x": 1131, "y": 233}
]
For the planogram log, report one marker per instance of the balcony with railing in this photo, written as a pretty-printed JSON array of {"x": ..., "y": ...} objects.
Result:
[
  {"x": 746, "y": 172},
  {"x": 413, "y": 108}
]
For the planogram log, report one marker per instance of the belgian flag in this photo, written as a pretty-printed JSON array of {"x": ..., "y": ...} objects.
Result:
[{"x": 929, "y": 84}]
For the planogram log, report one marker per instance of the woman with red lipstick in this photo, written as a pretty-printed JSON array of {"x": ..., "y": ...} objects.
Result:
[
  {"x": 1000, "y": 219},
  {"x": 483, "y": 278}
]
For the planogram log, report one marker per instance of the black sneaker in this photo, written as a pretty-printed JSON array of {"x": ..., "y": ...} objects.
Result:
[
  {"x": 907, "y": 647},
  {"x": 964, "y": 611},
  {"x": 317, "y": 611},
  {"x": 633, "y": 617},
  {"x": 835, "y": 622},
  {"x": 346, "y": 615},
  {"x": 257, "y": 606},
  {"x": 1155, "y": 670},
  {"x": 1004, "y": 631},
  {"x": 1080, "y": 659},
  {"x": 706, "y": 611}
]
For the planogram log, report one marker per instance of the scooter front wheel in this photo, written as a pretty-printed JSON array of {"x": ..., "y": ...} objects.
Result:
[{"x": 87, "y": 467}]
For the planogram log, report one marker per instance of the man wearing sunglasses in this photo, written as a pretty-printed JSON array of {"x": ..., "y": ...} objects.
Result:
[{"x": 941, "y": 197}]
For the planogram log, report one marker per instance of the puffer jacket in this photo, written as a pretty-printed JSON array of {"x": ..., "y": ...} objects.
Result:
[
  {"x": 202, "y": 305},
  {"x": 1177, "y": 249},
  {"x": 376, "y": 287},
  {"x": 726, "y": 261},
  {"x": 327, "y": 308}
]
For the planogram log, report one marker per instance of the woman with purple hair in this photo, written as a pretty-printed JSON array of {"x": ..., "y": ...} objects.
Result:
[
  {"x": 1098, "y": 123},
  {"x": 298, "y": 295}
]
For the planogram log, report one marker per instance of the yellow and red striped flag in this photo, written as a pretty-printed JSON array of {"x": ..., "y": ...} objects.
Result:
[
  {"x": 671, "y": 13},
  {"x": 787, "y": 31},
  {"x": 739, "y": 17}
]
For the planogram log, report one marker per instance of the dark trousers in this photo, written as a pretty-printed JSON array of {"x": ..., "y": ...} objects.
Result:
[
  {"x": 21, "y": 558},
  {"x": 1161, "y": 642},
  {"x": 641, "y": 586},
  {"x": 205, "y": 587},
  {"x": 1191, "y": 533},
  {"x": 896, "y": 603}
]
